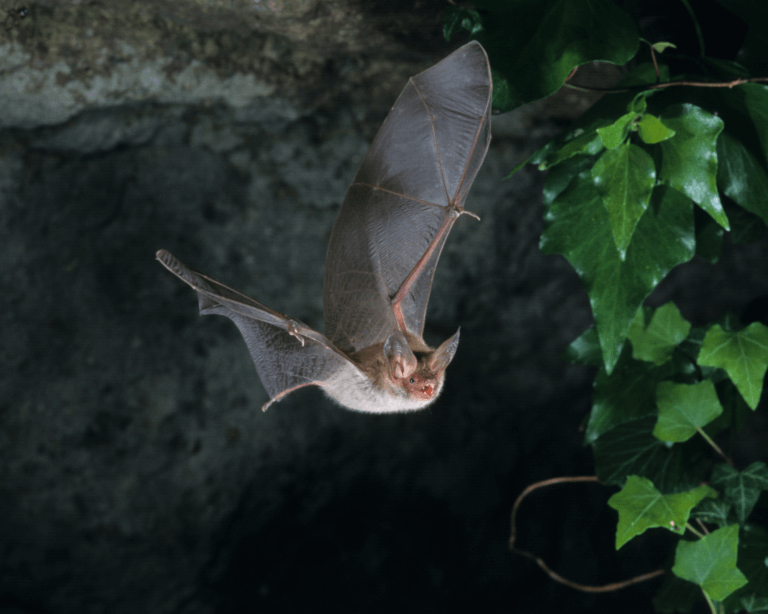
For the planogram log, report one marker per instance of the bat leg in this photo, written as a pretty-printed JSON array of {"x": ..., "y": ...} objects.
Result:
[
  {"x": 294, "y": 328},
  {"x": 454, "y": 211},
  {"x": 287, "y": 391}
]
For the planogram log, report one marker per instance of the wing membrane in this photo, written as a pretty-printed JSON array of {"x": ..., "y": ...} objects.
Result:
[
  {"x": 287, "y": 354},
  {"x": 406, "y": 195}
]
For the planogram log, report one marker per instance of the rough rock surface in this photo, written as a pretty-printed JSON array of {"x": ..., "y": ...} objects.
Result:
[{"x": 136, "y": 472}]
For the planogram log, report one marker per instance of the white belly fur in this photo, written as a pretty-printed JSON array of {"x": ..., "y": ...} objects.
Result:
[{"x": 352, "y": 389}]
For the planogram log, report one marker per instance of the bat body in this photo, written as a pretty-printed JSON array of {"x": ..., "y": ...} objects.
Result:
[{"x": 385, "y": 245}]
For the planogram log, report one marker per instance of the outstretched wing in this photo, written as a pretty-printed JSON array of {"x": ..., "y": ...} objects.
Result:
[
  {"x": 409, "y": 190},
  {"x": 288, "y": 354}
]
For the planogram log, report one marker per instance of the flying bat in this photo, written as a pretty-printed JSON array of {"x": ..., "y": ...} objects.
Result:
[{"x": 410, "y": 189}]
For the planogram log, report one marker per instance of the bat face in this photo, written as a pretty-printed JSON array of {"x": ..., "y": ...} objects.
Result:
[{"x": 384, "y": 248}]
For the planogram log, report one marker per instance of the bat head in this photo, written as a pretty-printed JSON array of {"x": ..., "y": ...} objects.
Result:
[{"x": 420, "y": 378}]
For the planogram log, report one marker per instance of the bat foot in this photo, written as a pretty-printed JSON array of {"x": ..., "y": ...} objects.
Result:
[
  {"x": 293, "y": 331},
  {"x": 458, "y": 211}
]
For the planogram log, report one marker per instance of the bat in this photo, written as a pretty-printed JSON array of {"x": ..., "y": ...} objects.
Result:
[{"x": 410, "y": 189}]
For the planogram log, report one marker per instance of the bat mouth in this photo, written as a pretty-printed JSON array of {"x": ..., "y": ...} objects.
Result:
[{"x": 421, "y": 387}]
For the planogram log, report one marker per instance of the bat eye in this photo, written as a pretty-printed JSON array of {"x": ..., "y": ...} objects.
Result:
[{"x": 412, "y": 381}]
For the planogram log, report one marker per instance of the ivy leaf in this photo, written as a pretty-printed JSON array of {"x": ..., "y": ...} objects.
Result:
[
  {"x": 625, "y": 394},
  {"x": 713, "y": 511},
  {"x": 685, "y": 409},
  {"x": 689, "y": 159},
  {"x": 710, "y": 562},
  {"x": 458, "y": 18},
  {"x": 584, "y": 141},
  {"x": 613, "y": 135},
  {"x": 741, "y": 176},
  {"x": 642, "y": 507},
  {"x": 577, "y": 225},
  {"x": 631, "y": 449},
  {"x": 756, "y": 99},
  {"x": 535, "y": 44},
  {"x": 657, "y": 341},
  {"x": 754, "y": 604},
  {"x": 743, "y": 488},
  {"x": 585, "y": 349},
  {"x": 743, "y": 355},
  {"x": 624, "y": 178},
  {"x": 753, "y": 552},
  {"x": 652, "y": 130}
]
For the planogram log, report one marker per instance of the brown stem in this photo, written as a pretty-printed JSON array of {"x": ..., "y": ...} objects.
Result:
[
  {"x": 659, "y": 86},
  {"x": 614, "y": 586}
]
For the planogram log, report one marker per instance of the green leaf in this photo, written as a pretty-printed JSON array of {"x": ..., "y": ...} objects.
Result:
[
  {"x": 753, "y": 562},
  {"x": 652, "y": 130},
  {"x": 684, "y": 409},
  {"x": 743, "y": 488},
  {"x": 741, "y": 176},
  {"x": 624, "y": 178},
  {"x": 458, "y": 18},
  {"x": 743, "y": 355},
  {"x": 585, "y": 349},
  {"x": 625, "y": 394},
  {"x": 535, "y": 44},
  {"x": 631, "y": 449},
  {"x": 586, "y": 142},
  {"x": 661, "y": 47},
  {"x": 577, "y": 225},
  {"x": 710, "y": 562},
  {"x": 657, "y": 342},
  {"x": 713, "y": 511},
  {"x": 754, "y": 604},
  {"x": 614, "y": 135},
  {"x": 642, "y": 507},
  {"x": 756, "y": 99},
  {"x": 689, "y": 159}
]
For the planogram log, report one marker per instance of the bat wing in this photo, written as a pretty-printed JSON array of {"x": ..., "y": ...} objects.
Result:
[
  {"x": 288, "y": 354},
  {"x": 409, "y": 190}
]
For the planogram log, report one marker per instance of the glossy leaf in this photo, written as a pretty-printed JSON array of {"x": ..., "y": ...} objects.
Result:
[
  {"x": 458, "y": 18},
  {"x": 625, "y": 394},
  {"x": 743, "y": 355},
  {"x": 756, "y": 99},
  {"x": 741, "y": 488},
  {"x": 614, "y": 135},
  {"x": 689, "y": 159},
  {"x": 624, "y": 178},
  {"x": 586, "y": 142},
  {"x": 741, "y": 176},
  {"x": 710, "y": 562},
  {"x": 652, "y": 130},
  {"x": 641, "y": 506},
  {"x": 585, "y": 349},
  {"x": 577, "y": 225},
  {"x": 684, "y": 409},
  {"x": 631, "y": 449},
  {"x": 656, "y": 342},
  {"x": 535, "y": 44}
]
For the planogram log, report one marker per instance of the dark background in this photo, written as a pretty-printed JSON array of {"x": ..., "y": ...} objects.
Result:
[{"x": 137, "y": 473}]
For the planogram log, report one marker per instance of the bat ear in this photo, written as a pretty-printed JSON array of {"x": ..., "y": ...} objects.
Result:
[
  {"x": 443, "y": 355},
  {"x": 401, "y": 359}
]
